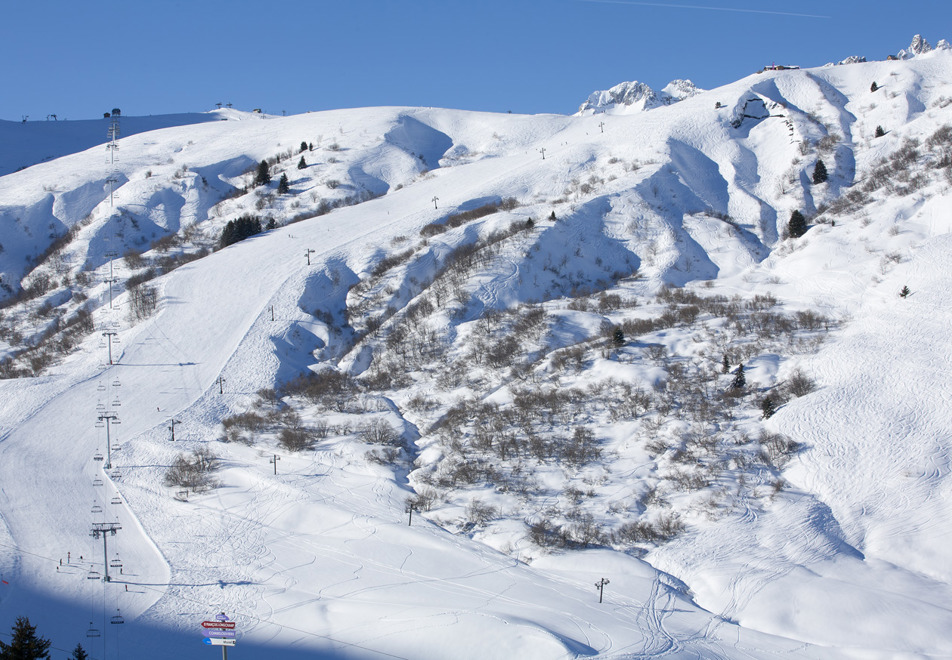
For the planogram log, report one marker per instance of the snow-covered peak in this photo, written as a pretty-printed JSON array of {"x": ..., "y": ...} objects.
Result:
[
  {"x": 918, "y": 46},
  {"x": 852, "y": 59},
  {"x": 634, "y": 96}
]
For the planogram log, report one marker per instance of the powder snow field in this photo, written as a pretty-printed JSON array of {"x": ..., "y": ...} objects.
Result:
[{"x": 314, "y": 555}]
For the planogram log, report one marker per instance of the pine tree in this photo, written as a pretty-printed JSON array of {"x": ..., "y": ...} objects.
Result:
[
  {"x": 904, "y": 292},
  {"x": 618, "y": 337},
  {"x": 24, "y": 644},
  {"x": 302, "y": 164},
  {"x": 768, "y": 407},
  {"x": 880, "y": 131},
  {"x": 740, "y": 381},
  {"x": 283, "y": 186},
  {"x": 873, "y": 87},
  {"x": 303, "y": 147},
  {"x": 819, "y": 172},
  {"x": 725, "y": 365},
  {"x": 79, "y": 653},
  {"x": 797, "y": 226},
  {"x": 263, "y": 177}
]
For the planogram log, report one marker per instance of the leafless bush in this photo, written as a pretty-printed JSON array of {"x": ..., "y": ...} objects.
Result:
[
  {"x": 144, "y": 300},
  {"x": 379, "y": 432},
  {"x": 479, "y": 513},
  {"x": 799, "y": 384},
  {"x": 296, "y": 438},
  {"x": 193, "y": 471}
]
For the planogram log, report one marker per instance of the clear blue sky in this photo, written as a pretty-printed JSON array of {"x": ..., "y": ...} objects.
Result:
[{"x": 80, "y": 59}]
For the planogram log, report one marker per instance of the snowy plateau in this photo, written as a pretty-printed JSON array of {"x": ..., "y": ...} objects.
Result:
[{"x": 487, "y": 385}]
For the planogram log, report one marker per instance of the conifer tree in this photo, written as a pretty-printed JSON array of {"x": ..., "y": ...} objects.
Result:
[
  {"x": 797, "y": 226},
  {"x": 768, "y": 407},
  {"x": 725, "y": 364},
  {"x": 873, "y": 87},
  {"x": 303, "y": 147},
  {"x": 302, "y": 164},
  {"x": 24, "y": 643},
  {"x": 618, "y": 337},
  {"x": 79, "y": 653},
  {"x": 263, "y": 177},
  {"x": 740, "y": 381},
  {"x": 283, "y": 185},
  {"x": 819, "y": 172},
  {"x": 880, "y": 131}
]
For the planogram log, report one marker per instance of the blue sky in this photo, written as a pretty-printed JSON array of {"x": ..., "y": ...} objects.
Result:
[{"x": 80, "y": 59}]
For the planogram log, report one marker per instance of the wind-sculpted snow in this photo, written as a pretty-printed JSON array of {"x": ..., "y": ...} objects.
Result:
[{"x": 510, "y": 347}]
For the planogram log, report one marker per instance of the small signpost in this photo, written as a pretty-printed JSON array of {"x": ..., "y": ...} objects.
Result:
[{"x": 220, "y": 632}]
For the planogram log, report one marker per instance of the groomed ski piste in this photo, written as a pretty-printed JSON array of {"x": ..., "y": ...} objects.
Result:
[{"x": 310, "y": 553}]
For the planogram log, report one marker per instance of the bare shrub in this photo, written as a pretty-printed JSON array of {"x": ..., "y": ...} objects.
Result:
[
  {"x": 799, "y": 384},
  {"x": 193, "y": 471},
  {"x": 296, "y": 438},
  {"x": 479, "y": 513},
  {"x": 379, "y": 432}
]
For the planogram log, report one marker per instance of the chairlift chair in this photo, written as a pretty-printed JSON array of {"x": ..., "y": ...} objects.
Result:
[
  {"x": 100, "y": 423},
  {"x": 115, "y": 475},
  {"x": 117, "y": 500},
  {"x": 117, "y": 619},
  {"x": 93, "y": 632},
  {"x": 116, "y": 382},
  {"x": 97, "y": 482},
  {"x": 101, "y": 387},
  {"x": 96, "y": 509},
  {"x": 116, "y": 447},
  {"x": 115, "y": 563},
  {"x": 98, "y": 456},
  {"x": 116, "y": 403},
  {"x": 93, "y": 574}
]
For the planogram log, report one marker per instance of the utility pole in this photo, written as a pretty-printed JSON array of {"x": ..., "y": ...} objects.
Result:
[
  {"x": 600, "y": 585},
  {"x": 109, "y": 334},
  {"x": 308, "y": 255},
  {"x": 221, "y": 385},
  {"x": 434, "y": 200},
  {"x": 274, "y": 460},
  {"x": 172, "y": 423},
  {"x": 101, "y": 529},
  {"x": 105, "y": 419}
]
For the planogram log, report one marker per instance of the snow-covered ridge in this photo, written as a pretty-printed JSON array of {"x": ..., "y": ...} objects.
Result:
[{"x": 635, "y": 96}]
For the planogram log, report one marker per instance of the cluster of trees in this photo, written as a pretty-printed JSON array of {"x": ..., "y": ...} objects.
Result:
[
  {"x": 25, "y": 644},
  {"x": 239, "y": 230}
]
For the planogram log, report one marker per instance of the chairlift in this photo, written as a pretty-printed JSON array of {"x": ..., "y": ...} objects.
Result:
[
  {"x": 93, "y": 574},
  {"x": 117, "y": 500},
  {"x": 116, "y": 447},
  {"x": 116, "y": 403},
  {"x": 93, "y": 632},
  {"x": 115, "y": 420},
  {"x": 115, "y": 563},
  {"x": 96, "y": 509},
  {"x": 116, "y": 382},
  {"x": 97, "y": 481},
  {"x": 98, "y": 456},
  {"x": 115, "y": 475},
  {"x": 101, "y": 407},
  {"x": 117, "y": 619},
  {"x": 101, "y": 387},
  {"x": 100, "y": 424}
]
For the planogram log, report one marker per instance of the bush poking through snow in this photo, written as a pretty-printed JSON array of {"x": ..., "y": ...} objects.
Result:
[{"x": 193, "y": 471}]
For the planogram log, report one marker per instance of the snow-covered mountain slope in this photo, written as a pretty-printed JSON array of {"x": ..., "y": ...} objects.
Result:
[{"x": 483, "y": 362}]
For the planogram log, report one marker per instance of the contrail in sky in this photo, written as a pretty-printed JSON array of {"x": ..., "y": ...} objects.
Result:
[{"x": 732, "y": 9}]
